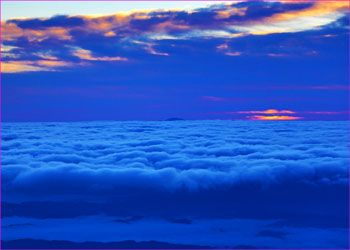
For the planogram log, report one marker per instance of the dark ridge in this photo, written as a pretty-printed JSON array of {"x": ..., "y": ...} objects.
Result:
[
  {"x": 273, "y": 234},
  {"x": 17, "y": 225},
  {"x": 63, "y": 244},
  {"x": 174, "y": 119},
  {"x": 181, "y": 221},
  {"x": 129, "y": 220},
  {"x": 44, "y": 210},
  {"x": 248, "y": 247}
]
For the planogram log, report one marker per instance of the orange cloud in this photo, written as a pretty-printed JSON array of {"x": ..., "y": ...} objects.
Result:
[
  {"x": 19, "y": 66},
  {"x": 320, "y": 13},
  {"x": 86, "y": 55},
  {"x": 318, "y": 9},
  {"x": 10, "y": 31},
  {"x": 223, "y": 14},
  {"x": 108, "y": 25},
  {"x": 273, "y": 118},
  {"x": 26, "y": 66},
  {"x": 121, "y": 25},
  {"x": 50, "y": 63},
  {"x": 170, "y": 25},
  {"x": 46, "y": 56},
  {"x": 104, "y": 23},
  {"x": 109, "y": 34}
]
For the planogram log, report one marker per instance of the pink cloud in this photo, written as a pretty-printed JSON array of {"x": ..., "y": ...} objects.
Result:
[
  {"x": 268, "y": 111},
  {"x": 215, "y": 98},
  {"x": 295, "y": 87}
]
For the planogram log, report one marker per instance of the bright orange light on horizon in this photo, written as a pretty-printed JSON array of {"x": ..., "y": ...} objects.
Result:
[{"x": 273, "y": 118}]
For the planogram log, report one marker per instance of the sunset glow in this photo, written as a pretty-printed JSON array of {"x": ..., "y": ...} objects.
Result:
[
  {"x": 198, "y": 61},
  {"x": 274, "y": 118}
]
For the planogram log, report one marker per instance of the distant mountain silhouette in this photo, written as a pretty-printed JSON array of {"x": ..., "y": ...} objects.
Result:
[
  {"x": 174, "y": 119},
  {"x": 63, "y": 244}
]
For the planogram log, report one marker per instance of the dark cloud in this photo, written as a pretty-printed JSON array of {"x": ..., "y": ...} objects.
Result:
[
  {"x": 229, "y": 233},
  {"x": 55, "y": 21},
  {"x": 62, "y": 244},
  {"x": 274, "y": 234}
]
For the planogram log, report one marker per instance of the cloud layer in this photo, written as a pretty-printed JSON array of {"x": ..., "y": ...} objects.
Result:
[
  {"x": 181, "y": 175},
  {"x": 47, "y": 44},
  {"x": 172, "y": 156}
]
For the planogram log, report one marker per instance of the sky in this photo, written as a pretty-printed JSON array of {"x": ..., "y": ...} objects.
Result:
[
  {"x": 76, "y": 61},
  {"x": 34, "y": 9}
]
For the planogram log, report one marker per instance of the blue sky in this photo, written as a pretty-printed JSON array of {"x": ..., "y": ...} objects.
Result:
[
  {"x": 231, "y": 60},
  {"x": 33, "y": 9}
]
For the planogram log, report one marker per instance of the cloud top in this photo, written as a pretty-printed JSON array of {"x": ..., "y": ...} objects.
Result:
[{"x": 71, "y": 158}]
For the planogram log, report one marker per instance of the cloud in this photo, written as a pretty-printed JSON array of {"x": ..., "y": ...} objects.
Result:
[
  {"x": 215, "y": 98},
  {"x": 39, "y": 65},
  {"x": 84, "y": 54},
  {"x": 116, "y": 34},
  {"x": 152, "y": 160},
  {"x": 294, "y": 87},
  {"x": 327, "y": 87},
  {"x": 180, "y": 175},
  {"x": 227, "y": 13},
  {"x": 269, "y": 111},
  {"x": 18, "y": 66},
  {"x": 318, "y": 9},
  {"x": 319, "y": 14},
  {"x": 233, "y": 53},
  {"x": 55, "y": 21}
]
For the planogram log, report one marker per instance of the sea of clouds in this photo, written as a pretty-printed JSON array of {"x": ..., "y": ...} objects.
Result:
[{"x": 189, "y": 174}]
